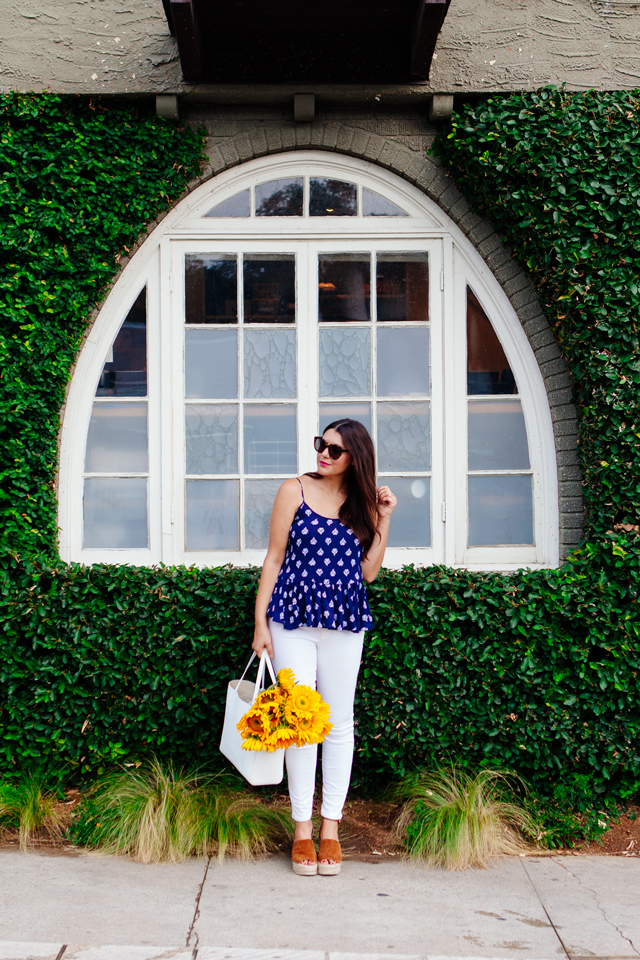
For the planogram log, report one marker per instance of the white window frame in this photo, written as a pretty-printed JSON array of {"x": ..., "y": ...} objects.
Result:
[{"x": 456, "y": 263}]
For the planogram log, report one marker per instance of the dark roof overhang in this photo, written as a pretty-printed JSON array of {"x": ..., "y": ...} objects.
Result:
[{"x": 339, "y": 41}]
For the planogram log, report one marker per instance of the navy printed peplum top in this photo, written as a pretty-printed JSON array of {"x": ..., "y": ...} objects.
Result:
[{"x": 320, "y": 582}]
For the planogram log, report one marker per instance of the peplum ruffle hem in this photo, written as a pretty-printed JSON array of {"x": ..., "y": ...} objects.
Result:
[{"x": 321, "y": 603}]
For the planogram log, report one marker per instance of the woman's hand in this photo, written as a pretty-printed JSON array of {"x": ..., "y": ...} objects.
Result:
[
  {"x": 262, "y": 640},
  {"x": 386, "y": 503}
]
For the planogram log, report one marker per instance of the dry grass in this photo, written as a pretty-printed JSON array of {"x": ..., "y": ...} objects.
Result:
[
  {"x": 456, "y": 820},
  {"x": 155, "y": 814}
]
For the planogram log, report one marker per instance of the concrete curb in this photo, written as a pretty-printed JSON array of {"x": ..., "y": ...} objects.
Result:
[{"x": 14, "y": 950}]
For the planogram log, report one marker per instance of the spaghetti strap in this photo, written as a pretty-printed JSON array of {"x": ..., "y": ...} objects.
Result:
[{"x": 301, "y": 491}]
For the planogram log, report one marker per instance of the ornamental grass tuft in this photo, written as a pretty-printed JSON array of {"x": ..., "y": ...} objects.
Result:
[
  {"x": 456, "y": 820},
  {"x": 28, "y": 806},
  {"x": 155, "y": 813}
]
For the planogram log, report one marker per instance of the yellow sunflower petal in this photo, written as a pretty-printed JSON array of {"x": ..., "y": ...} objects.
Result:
[{"x": 286, "y": 679}]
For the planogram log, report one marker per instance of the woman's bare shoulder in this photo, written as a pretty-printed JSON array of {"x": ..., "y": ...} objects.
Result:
[{"x": 289, "y": 492}]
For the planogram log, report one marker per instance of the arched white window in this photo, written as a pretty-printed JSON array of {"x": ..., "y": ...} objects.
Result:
[{"x": 282, "y": 295}]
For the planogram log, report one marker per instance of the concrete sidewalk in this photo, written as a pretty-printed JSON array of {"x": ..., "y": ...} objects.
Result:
[{"x": 69, "y": 908}]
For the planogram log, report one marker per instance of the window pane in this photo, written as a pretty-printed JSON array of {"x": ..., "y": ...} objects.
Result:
[
  {"x": 488, "y": 369},
  {"x": 332, "y": 198},
  {"x": 258, "y": 502},
  {"x": 270, "y": 289},
  {"x": 125, "y": 371},
  {"x": 279, "y": 198},
  {"x": 404, "y": 436},
  {"x": 340, "y": 411},
  {"x": 402, "y": 287},
  {"x": 403, "y": 361},
  {"x": 211, "y": 364},
  {"x": 211, "y": 438},
  {"x": 115, "y": 512},
  {"x": 211, "y": 289},
  {"x": 497, "y": 436},
  {"x": 212, "y": 515},
  {"x": 343, "y": 288},
  {"x": 270, "y": 438},
  {"x": 373, "y": 205},
  {"x": 237, "y": 206},
  {"x": 117, "y": 438},
  {"x": 500, "y": 510},
  {"x": 345, "y": 362},
  {"x": 269, "y": 363},
  {"x": 411, "y": 521}
]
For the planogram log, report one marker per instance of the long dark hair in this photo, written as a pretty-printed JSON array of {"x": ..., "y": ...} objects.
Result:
[{"x": 359, "y": 510}]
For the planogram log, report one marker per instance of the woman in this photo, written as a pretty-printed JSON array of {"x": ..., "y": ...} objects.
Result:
[{"x": 327, "y": 535}]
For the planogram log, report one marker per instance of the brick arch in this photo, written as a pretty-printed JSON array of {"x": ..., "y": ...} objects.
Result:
[{"x": 434, "y": 181}]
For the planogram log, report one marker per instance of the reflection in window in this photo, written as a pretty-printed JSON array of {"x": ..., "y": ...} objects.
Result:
[
  {"x": 497, "y": 436},
  {"x": 237, "y": 206},
  {"x": 269, "y": 289},
  {"x": 332, "y": 198},
  {"x": 117, "y": 438},
  {"x": 279, "y": 198},
  {"x": 270, "y": 439},
  {"x": 411, "y": 525},
  {"x": 344, "y": 288},
  {"x": 115, "y": 513},
  {"x": 212, "y": 515},
  {"x": 373, "y": 205},
  {"x": 211, "y": 364},
  {"x": 115, "y": 507},
  {"x": 402, "y": 287},
  {"x": 125, "y": 371},
  {"x": 403, "y": 361},
  {"x": 488, "y": 370},
  {"x": 500, "y": 510},
  {"x": 342, "y": 411},
  {"x": 211, "y": 288}
]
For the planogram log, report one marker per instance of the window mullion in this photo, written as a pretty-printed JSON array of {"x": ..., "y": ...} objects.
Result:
[
  {"x": 170, "y": 364},
  {"x": 307, "y": 344}
]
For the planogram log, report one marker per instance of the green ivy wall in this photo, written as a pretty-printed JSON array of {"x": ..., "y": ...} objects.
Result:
[{"x": 537, "y": 671}]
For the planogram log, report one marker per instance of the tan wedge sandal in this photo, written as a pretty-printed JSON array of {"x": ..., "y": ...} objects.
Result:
[
  {"x": 304, "y": 850},
  {"x": 329, "y": 850}
]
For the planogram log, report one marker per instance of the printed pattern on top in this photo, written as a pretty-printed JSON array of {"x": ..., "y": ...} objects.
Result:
[{"x": 320, "y": 583}]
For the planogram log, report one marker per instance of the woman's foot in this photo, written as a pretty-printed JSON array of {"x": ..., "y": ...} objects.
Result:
[
  {"x": 330, "y": 855},
  {"x": 303, "y": 855}
]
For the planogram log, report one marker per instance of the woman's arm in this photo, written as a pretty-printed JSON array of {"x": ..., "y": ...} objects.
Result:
[
  {"x": 284, "y": 509},
  {"x": 373, "y": 560}
]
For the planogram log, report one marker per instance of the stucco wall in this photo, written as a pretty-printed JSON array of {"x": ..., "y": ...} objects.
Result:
[{"x": 107, "y": 46}]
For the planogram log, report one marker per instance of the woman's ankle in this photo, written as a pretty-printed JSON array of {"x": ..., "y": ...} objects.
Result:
[
  {"x": 329, "y": 829},
  {"x": 303, "y": 830}
]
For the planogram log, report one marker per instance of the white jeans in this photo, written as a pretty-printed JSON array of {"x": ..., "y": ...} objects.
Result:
[{"x": 328, "y": 660}]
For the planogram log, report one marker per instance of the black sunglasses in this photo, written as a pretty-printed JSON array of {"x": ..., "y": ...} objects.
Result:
[{"x": 335, "y": 452}]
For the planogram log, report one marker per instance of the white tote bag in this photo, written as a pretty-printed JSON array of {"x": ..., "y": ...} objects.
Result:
[{"x": 258, "y": 767}]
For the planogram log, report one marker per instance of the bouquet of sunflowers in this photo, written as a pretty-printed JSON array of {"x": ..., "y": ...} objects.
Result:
[{"x": 284, "y": 715}]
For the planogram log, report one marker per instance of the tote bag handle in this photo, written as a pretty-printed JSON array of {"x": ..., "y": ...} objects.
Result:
[{"x": 265, "y": 659}]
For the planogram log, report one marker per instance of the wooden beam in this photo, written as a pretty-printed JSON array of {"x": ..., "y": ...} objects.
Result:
[
  {"x": 429, "y": 19},
  {"x": 185, "y": 25},
  {"x": 167, "y": 12}
]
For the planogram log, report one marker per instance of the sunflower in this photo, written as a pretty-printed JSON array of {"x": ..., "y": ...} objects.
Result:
[
  {"x": 303, "y": 700},
  {"x": 255, "y": 724},
  {"x": 255, "y": 743},
  {"x": 312, "y": 730},
  {"x": 286, "y": 680},
  {"x": 284, "y": 737}
]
